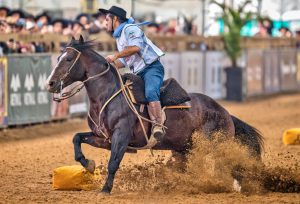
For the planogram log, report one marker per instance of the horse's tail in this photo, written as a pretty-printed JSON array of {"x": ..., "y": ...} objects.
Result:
[{"x": 248, "y": 136}]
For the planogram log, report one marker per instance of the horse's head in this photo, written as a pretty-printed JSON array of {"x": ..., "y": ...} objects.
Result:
[{"x": 67, "y": 69}]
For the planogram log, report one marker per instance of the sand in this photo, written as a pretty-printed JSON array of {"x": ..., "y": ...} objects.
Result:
[{"x": 28, "y": 156}]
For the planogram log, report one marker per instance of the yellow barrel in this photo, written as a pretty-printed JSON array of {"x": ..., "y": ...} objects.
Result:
[
  {"x": 291, "y": 136},
  {"x": 74, "y": 178}
]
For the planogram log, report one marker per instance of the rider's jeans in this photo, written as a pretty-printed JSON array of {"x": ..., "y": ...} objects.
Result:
[{"x": 153, "y": 76}]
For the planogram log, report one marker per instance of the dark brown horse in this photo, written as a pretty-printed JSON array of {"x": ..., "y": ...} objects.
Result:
[{"x": 79, "y": 62}]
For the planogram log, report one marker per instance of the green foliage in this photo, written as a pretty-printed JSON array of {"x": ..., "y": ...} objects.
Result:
[{"x": 234, "y": 20}]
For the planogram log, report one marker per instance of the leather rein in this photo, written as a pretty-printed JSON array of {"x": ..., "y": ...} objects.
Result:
[{"x": 75, "y": 90}]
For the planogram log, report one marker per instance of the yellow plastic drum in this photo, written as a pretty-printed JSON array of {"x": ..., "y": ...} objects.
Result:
[
  {"x": 291, "y": 136},
  {"x": 74, "y": 178}
]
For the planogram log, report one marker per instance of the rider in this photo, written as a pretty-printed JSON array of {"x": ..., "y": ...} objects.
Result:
[{"x": 138, "y": 53}]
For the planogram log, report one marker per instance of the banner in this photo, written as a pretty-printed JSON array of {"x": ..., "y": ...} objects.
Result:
[
  {"x": 254, "y": 72},
  {"x": 192, "y": 71},
  {"x": 271, "y": 73},
  {"x": 214, "y": 74},
  {"x": 3, "y": 91},
  {"x": 171, "y": 63},
  {"x": 29, "y": 101},
  {"x": 288, "y": 69}
]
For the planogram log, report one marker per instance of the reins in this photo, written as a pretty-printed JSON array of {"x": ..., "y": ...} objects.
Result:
[
  {"x": 75, "y": 90},
  {"x": 71, "y": 93},
  {"x": 131, "y": 106}
]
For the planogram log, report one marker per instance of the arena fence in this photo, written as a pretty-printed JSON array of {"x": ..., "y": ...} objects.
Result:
[
  {"x": 24, "y": 99},
  {"x": 178, "y": 43}
]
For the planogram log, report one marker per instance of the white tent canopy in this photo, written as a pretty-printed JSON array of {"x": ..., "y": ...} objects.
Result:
[{"x": 291, "y": 15}]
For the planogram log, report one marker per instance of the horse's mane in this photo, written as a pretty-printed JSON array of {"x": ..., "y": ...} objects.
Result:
[
  {"x": 82, "y": 46},
  {"x": 89, "y": 46}
]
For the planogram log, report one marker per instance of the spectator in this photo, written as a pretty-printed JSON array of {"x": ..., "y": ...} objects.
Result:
[
  {"x": 3, "y": 48},
  {"x": 68, "y": 29},
  {"x": 263, "y": 31},
  {"x": 172, "y": 28},
  {"x": 15, "y": 16},
  {"x": 77, "y": 29},
  {"x": 285, "y": 32},
  {"x": 84, "y": 19},
  {"x": 5, "y": 27},
  {"x": 298, "y": 38},
  {"x": 152, "y": 29},
  {"x": 98, "y": 24},
  {"x": 42, "y": 19},
  {"x": 58, "y": 25},
  {"x": 4, "y": 11},
  {"x": 267, "y": 23},
  {"x": 12, "y": 46}
]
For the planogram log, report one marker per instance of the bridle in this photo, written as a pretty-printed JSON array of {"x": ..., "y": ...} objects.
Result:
[
  {"x": 66, "y": 95},
  {"x": 122, "y": 90}
]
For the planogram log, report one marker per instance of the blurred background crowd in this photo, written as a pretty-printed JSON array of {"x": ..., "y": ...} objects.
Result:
[
  {"x": 21, "y": 20},
  {"x": 18, "y": 21}
]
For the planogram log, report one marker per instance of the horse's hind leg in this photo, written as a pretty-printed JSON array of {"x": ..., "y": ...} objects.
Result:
[
  {"x": 88, "y": 138},
  {"x": 237, "y": 174},
  {"x": 178, "y": 161}
]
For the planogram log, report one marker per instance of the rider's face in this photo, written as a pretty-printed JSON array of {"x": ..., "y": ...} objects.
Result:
[{"x": 109, "y": 23}]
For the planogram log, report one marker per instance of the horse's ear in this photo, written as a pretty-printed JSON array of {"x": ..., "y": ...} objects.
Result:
[
  {"x": 72, "y": 39},
  {"x": 81, "y": 40}
]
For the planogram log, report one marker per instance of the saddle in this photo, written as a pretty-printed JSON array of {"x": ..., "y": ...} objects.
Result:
[{"x": 171, "y": 93}]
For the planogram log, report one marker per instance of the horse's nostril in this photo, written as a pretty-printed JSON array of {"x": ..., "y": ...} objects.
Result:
[{"x": 51, "y": 83}]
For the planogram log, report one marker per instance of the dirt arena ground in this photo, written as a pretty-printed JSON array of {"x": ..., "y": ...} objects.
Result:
[{"x": 28, "y": 156}]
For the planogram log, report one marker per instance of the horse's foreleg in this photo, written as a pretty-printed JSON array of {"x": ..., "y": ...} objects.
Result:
[
  {"x": 88, "y": 138},
  {"x": 77, "y": 140},
  {"x": 119, "y": 143}
]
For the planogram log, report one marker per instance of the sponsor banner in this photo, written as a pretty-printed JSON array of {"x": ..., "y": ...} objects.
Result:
[
  {"x": 3, "y": 91},
  {"x": 192, "y": 72},
  {"x": 271, "y": 74},
  {"x": 288, "y": 70},
  {"x": 214, "y": 76},
  {"x": 254, "y": 72},
  {"x": 28, "y": 99},
  {"x": 171, "y": 63}
]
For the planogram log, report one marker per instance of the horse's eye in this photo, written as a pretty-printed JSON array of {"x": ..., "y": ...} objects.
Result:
[{"x": 69, "y": 59}]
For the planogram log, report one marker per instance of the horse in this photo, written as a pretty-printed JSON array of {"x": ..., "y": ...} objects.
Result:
[{"x": 114, "y": 118}]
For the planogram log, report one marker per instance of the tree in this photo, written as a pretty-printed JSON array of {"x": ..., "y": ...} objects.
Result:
[{"x": 234, "y": 20}]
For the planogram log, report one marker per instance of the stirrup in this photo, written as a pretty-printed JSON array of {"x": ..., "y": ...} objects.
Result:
[
  {"x": 151, "y": 142},
  {"x": 158, "y": 132}
]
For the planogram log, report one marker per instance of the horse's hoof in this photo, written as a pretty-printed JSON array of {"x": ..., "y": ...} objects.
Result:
[
  {"x": 237, "y": 186},
  {"x": 91, "y": 166},
  {"x": 105, "y": 192}
]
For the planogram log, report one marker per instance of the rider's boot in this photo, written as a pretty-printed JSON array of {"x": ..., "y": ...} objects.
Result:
[{"x": 155, "y": 113}]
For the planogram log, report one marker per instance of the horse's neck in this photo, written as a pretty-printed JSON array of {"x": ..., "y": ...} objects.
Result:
[{"x": 100, "y": 90}]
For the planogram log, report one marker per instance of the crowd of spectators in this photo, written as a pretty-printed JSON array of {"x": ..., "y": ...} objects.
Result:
[
  {"x": 266, "y": 29},
  {"x": 18, "y": 21}
]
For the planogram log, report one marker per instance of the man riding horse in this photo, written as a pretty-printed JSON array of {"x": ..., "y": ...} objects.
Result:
[
  {"x": 114, "y": 122},
  {"x": 138, "y": 53}
]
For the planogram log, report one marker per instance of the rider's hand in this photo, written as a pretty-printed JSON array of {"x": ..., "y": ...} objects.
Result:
[{"x": 111, "y": 58}]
